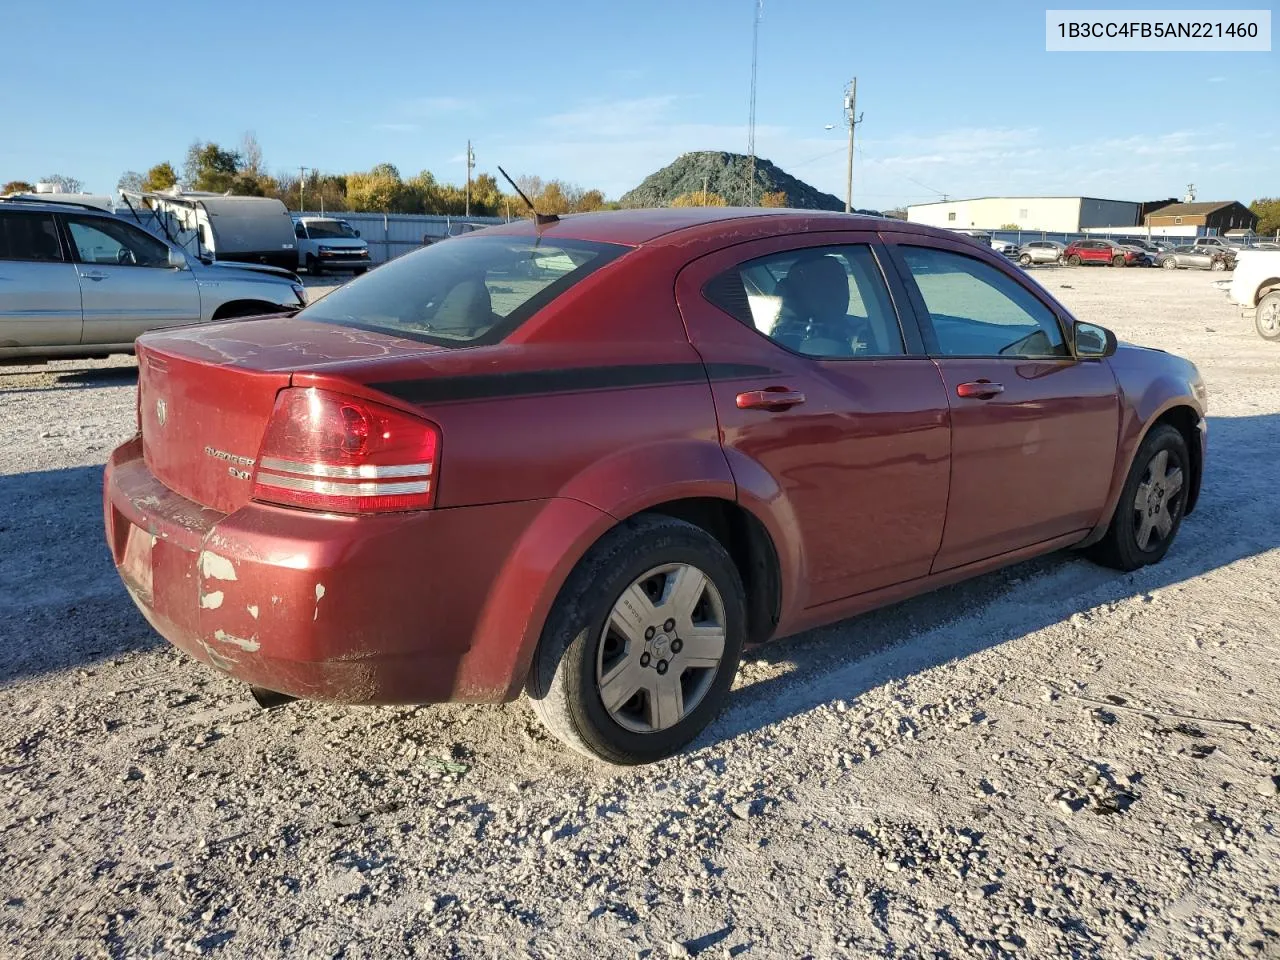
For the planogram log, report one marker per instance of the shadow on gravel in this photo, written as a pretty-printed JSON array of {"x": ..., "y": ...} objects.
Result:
[
  {"x": 39, "y": 380},
  {"x": 837, "y": 662},
  {"x": 61, "y": 602}
]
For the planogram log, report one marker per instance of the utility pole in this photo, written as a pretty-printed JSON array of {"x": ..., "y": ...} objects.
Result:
[
  {"x": 854, "y": 118},
  {"x": 751, "y": 120},
  {"x": 302, "y": 186},
  {"x": 471, "y": 162}
]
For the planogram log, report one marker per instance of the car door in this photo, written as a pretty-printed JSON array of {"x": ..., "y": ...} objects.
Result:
[
  {"x": 1033, "y": 429},
  {"x": 819, "y": 391},
  {"x": 126, "y": 283},
  {"x": 39, "y": 290}
]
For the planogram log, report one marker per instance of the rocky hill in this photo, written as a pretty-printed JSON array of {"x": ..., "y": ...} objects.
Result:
[{"x": 725, "y": 174}]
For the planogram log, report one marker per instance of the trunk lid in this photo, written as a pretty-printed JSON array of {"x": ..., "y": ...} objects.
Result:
[{"x": 206, "y": 393}]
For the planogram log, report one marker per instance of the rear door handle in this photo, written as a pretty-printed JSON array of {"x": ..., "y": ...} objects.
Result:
[
  {"x": 980, "y": 389},
  {"x": 770, "y": 398},
  {"x": 96, "y": 275}
]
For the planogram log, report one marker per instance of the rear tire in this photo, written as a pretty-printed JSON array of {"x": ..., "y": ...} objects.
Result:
[
  {"x": 610, "y": 627},
  {"x": 1152, "y": 503},
  {"x": 1267, "y": 318},
  {"x": 1074, "y": 259}
]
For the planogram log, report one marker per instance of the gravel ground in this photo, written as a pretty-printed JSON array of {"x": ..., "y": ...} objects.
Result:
[{"x": 1054, "y": 760}]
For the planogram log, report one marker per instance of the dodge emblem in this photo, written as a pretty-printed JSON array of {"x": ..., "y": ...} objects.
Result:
[{"x": 162, "y": 411}]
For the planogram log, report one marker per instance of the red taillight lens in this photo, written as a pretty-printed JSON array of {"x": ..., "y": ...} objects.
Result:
[{"x": 324, "y": 451}]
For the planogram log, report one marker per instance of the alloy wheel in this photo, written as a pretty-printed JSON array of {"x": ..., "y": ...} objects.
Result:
[
  {"x": 661, "y": 648},
  {"x": 1268, "y": 317},
  {"x": 1158, "y": 501}
]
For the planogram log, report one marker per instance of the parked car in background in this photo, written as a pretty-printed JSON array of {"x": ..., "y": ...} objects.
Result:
[
  {"x": 1041, "y": 251},
  {"x": 595, "y": 482},
  {"x": 327, "y": 243},
  {"x": 81, "y": 282},
  {"x": 1191, "y": 257},
  {"x": 1006, "y": 247},
  {"x": 1103, "y": 251},
  {"x": 1149, "y": 250},
  {"x": 1255, "y": 287}
]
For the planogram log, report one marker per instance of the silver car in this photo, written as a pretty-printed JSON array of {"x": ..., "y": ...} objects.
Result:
[
  {"x": 77, "y": 281},
  {"x": 1041, "y": 251},
  {"x": 1197, "y": 258}
]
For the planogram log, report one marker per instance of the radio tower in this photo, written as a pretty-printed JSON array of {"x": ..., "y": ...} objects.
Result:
[{"x": 751, "y": 120}]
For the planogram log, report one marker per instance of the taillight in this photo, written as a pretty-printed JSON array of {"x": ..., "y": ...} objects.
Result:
[{"x": 326, "y": 451}]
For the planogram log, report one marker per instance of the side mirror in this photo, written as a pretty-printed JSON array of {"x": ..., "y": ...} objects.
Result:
[
  {"x": 177, "y": 259},
  {"x": 357, "y": 233},
  {"x": 1094, "y": 342}
]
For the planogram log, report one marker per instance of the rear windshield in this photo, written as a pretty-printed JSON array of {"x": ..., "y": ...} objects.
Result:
[
  {"x": 329, "y": 228},
  {"x": 463, "y": 292}
]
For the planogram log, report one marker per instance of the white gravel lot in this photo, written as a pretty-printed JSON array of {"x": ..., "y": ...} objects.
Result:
[{"x": 1054, "y": 760}]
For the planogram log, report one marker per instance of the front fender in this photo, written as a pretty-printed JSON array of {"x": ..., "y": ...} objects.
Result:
[{"x": 1146, "y": 397}]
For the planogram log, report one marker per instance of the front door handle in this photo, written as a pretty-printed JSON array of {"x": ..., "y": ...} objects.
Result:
[
  {"x": 96, "y": 275},
  {"x": 770, "y": 398},
  {"x": 980, "y": 389}
]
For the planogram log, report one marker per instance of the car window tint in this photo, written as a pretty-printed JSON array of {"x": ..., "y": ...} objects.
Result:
[
  {"x": 828, "y": 302},
  {"x": 28, "y": 236},
  {"x": 978, "y": 311},
  {"x": 100, "y": 240},
  {"x": 462, "y": 292}
]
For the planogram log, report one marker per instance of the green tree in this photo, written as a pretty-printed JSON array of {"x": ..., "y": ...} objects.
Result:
[
  {"x": 376, "y": 191},
  {"x": 210, "y": 167},
  {"x": 17, "y": 186},
  {"x": 699, "y": 198},
  {"x": 1268, "y": 211},
  {"x": 160, "y": 177}
]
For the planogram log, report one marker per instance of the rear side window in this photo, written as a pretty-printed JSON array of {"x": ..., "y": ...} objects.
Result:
[
  {"x": 463, "y": 292},
  {"x": 978, "y": 311},
  {"x": 828, "y": 302},
  {"x": 28, "y": 236}
]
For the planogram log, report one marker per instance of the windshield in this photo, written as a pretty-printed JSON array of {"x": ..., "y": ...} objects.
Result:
[
  {"x": 318, "y": 229},
  {"x": 463, "y": 292}
]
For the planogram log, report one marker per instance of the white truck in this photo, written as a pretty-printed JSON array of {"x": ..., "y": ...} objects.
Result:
[
  {"x": 327, "y": 243},
  {"x": 1255, "y": 288}
]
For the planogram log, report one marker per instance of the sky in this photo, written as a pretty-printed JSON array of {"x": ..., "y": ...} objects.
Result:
[{"x": 958, "y": 99}]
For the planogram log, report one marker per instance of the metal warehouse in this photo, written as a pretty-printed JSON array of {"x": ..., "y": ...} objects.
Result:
[{"x": 1048, "y": 214}]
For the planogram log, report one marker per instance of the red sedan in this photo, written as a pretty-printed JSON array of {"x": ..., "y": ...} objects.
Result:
[
  {"x": 591, "y": 459},
  {"x": 1103, "y": 251}
]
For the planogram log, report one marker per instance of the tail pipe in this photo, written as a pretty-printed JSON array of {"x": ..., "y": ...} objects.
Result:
[{"x": 270, "y": 699}]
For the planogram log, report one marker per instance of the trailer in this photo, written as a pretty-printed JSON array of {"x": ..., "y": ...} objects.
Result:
[{"x": 219, "y": 227}]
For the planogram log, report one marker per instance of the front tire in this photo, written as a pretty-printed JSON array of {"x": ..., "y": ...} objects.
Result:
[
  {"x": 1152, "y": 503},
  {"x": 1025, "y": 259},
  {"x": 313, "y": 266},
  {"x": 1218, "y": 265},
  {"x": 642, "y": 644},
  {"x": 1267, "y": 318},
  {"x": 1117, "y": 261},
  {"x": 1170, "y": 264}
]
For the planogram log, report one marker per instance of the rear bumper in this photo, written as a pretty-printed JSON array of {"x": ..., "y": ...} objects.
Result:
[{"x": 403, "y": 608}]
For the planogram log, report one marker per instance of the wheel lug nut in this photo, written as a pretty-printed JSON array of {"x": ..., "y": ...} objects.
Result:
[
  {"x": 669, "y": 626},
  {"x": 676, "y": 645},
  {"x": 662, "y": 666},
  {"x": 644, "y": 659},
  {"x": 649, "y": 632}
]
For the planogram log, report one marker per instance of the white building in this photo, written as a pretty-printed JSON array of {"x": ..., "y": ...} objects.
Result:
[{"x": 1048, "y": 214}]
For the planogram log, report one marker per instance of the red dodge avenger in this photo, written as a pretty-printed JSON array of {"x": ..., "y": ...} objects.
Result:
[{"x": 591, "y": 459}]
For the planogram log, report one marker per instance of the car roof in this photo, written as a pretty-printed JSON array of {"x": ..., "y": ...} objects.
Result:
[
  {"x": 43, "y": 206},
  {"x": 637, "y": 227}
]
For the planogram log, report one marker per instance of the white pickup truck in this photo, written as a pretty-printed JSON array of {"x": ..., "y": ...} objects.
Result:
[{"x": 1255, "y": 288}]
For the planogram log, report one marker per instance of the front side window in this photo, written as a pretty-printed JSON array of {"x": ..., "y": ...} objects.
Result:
[
  {"x": 463, "y": 292},
  {"x": 28, "y": 236},
  {"x": 978, "y": 311},
  {"x": 828, "y": 302},
  {"x": 99, "y": 240},
  {"x": 300, "y": 231}
]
